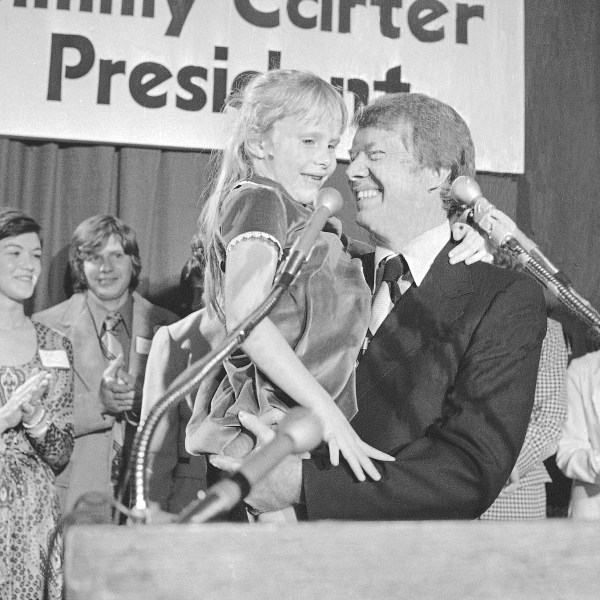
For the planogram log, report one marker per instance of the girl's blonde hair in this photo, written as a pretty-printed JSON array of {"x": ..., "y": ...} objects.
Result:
[{"x": 265, "y": 99}]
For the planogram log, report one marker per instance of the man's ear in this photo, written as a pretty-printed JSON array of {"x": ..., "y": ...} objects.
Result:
[{"x": 437, "y": 178}]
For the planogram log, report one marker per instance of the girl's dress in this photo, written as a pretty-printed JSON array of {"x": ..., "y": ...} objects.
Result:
[
  {"x": 29, "y": 507},
  {"x": 323, "y": 315}
]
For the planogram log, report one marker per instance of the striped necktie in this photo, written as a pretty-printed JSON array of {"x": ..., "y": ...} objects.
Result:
[
  {"x": 112, "y": 347},
  {"x": 389, "y": 291}
]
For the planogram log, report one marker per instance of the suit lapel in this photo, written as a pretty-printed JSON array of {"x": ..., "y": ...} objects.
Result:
[
  {"x": 423, "y": 316},
  {"x": 441, "y": 298},
  {"x": 77, "y": 324}
]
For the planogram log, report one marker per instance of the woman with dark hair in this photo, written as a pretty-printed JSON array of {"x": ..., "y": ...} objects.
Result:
[{"x": 36, "y": 424}]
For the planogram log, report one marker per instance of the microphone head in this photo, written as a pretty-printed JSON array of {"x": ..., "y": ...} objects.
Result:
[
  {"x": 465, "y": 190},
  {"x": 330, "y": 199},
  {"x": 303, "y": 428}
]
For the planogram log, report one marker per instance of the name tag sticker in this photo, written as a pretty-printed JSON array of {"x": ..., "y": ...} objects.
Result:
[
  {"x": 142, "y": 345},
  {"x": 54, "y": 359}
]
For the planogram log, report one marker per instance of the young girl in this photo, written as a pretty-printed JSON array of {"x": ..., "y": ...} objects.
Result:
[{"x": 278, "y": 156}]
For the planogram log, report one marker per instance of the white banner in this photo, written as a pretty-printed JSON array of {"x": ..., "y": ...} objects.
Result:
[{"x": 156, "y": 72}]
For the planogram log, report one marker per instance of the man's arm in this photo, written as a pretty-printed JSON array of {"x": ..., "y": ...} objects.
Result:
[{"x": 460, "y": 465}]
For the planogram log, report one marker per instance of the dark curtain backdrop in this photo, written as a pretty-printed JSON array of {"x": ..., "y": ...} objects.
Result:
[
  {"x": 158, "y": 192},
  {"x": 559, "y": 194}
]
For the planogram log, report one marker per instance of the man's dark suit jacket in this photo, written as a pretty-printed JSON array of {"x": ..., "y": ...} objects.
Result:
[{"x": 446, "y": 386}]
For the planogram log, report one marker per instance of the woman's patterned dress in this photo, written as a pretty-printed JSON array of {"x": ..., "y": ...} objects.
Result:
[{"x": 29, "y": 508}]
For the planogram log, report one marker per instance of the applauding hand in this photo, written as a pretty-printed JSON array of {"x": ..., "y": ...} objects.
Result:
[
  {"x": 117, "y": 390},
  {"x": 25, "y": 402}
]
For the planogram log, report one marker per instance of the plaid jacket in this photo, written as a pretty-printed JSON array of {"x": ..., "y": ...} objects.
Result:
[{"x": 549, "y": 412}]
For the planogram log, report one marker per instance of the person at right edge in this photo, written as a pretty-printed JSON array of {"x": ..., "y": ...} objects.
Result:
[
  {"x": 523, "y": 498},
  {"x": 578, "y": 455}
]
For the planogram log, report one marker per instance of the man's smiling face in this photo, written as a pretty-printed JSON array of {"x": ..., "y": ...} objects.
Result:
[
  {"x": 109, "y": 272},
  {"x": 396, "y": 197}
]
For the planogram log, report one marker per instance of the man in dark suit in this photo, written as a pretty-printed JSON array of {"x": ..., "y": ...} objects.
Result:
[{"x": 447, "y": 381}]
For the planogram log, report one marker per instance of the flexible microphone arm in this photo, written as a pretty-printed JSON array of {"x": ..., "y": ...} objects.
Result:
[
  {"x": 504, "y": 233},
  {"x": 187, "y": 382},
  {"x": 299, "y": 431},
  {"x": 328, "y": 203}
]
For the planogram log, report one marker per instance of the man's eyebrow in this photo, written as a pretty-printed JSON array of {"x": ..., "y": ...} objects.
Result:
[{"x": 364, "y": 147}]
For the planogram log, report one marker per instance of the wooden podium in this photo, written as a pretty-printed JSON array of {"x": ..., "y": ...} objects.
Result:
[{"x": 556, "y": 559}]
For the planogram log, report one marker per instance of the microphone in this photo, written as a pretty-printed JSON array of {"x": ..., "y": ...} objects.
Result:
[
  {"x": 299, "y": 431},
  {"x": 500, "y": 228},
  {"x": 329, "y": 201}
]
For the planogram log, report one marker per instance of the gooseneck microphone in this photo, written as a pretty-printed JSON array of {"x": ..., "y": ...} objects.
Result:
[
  {"x": 500, "y": 228},
  {"x": 329, "y": 201},
  {"x": 299, "y": 431},
  {"x": 503, "y": 231}
]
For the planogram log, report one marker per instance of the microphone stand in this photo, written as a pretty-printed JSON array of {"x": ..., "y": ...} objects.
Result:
[
  {"x": 328, "y": 202},
  {"x": 299, "y": 431},
  {"x": 504, "y": 233},
  {"x": 554, "y": 283},
  {"x": 188, "y": 380}
]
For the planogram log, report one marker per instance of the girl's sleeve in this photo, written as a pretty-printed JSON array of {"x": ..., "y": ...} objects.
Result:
[
  {"x": 255, "y": 212},
  {"x": 56, "y": 445}
]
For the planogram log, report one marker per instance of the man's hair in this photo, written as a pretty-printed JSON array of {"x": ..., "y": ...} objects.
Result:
[
  {"x": 14, "y": 222},
  {"x": 89, "y": 238},
  {"x": 440, "y": 138}
]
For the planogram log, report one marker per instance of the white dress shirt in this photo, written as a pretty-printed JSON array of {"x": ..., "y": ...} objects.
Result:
[{"x": 419, "y": 254}]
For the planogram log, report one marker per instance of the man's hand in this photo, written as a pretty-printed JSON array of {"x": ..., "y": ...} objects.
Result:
[
  {"x": 117, "y": 389},
  {"x": 512, "y": 484},
  {"x": 282, "y": 487}
]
